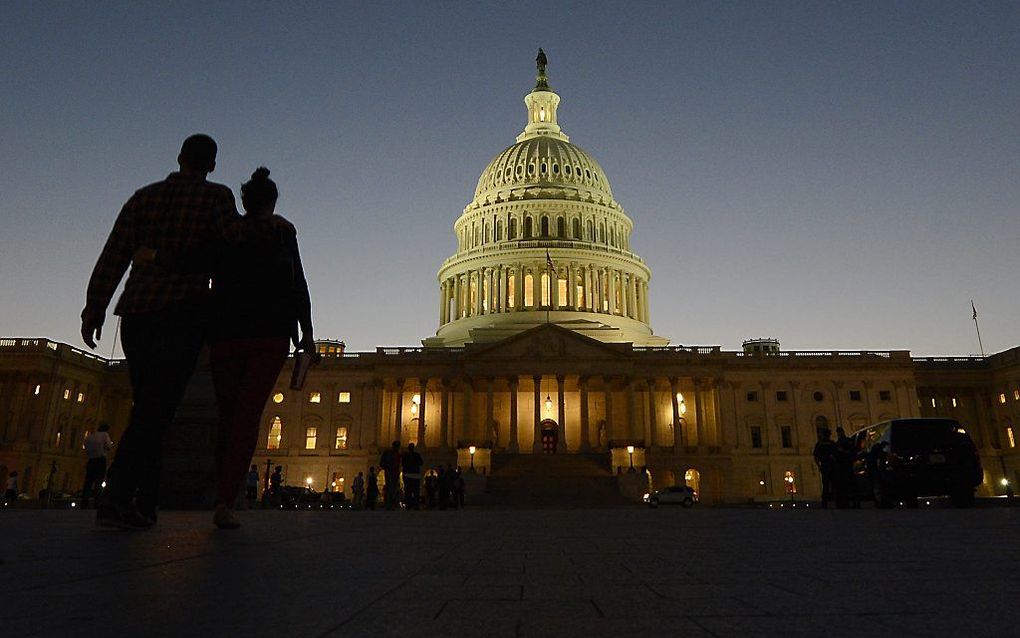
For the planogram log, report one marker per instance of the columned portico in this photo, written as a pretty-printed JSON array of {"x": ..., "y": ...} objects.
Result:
[{"x": 537, "y": 445}]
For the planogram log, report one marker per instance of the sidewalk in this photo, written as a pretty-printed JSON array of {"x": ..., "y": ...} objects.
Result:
[{"x": 666, "y": 572}]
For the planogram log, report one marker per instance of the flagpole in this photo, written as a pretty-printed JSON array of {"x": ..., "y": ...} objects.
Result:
[{"x": 977, "y": 328}]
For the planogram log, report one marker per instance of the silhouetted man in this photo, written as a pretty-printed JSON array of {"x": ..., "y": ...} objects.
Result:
[
  {"x": 825, "y": 458},
  {"x": 164, "y": 317},
  {"x": 97, "y": 444},
  {"x": 390, "y": 464},
  {"x": 846, "y": 452},
  {"x": 411, "y": 464}
]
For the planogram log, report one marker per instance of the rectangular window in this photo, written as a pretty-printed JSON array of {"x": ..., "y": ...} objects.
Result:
[
  {"x": 1016, "y": 395},
  {"x": 38, "y": 389},
  {"x": 756, "y": 437},
  {"x": 786, "y": 432},
  {"x": 81, "y": 397},
  {"x": 781, "y": 395},
  {"x": 67, "y": 394},
  {"x": 884, "y": 395},
  {"x": 1002, "y": 395},
  {"x": 954, "y": 402},
  {"x": 314, "y": 397},
  {"x": 855, "y": 395},
  {"x": 275, "y": 434},
  {"x": 752, "y": 396},
  {"x": 343, "y": 397},
  {"x": 310, "y": 437},
  {"x": 1009, "y": 435},
  {"x": 341, "y": 438}
]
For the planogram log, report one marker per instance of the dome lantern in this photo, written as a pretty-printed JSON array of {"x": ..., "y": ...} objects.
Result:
[{"x": 542, "y": 103}]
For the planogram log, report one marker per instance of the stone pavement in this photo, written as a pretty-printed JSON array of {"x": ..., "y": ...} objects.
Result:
[{"x": 632, "y": 572}]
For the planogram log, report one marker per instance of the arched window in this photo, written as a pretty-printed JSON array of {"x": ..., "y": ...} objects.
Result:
[
  {"x": 602, "y": 232},
  {"x": 821, "y": 425},
  {"x": 545, "y": 226},
  {"x": 486, "y": 231},
  {"x": 511, "y": 288},
  {"x": 275, "y": 434},
  {"x": 545, "y": 289},
  {"x": 499, "y": 230},
  {"x": 513, "y": 228},
  {"x": 561, "y": 228},
  {"x": 528, "y": 228},
  {"x": 590, "y": 231},
  {"x": 529, "y": 290},
  {"x": 612, "y": 235},
  {"x": 576, "y": 228}
]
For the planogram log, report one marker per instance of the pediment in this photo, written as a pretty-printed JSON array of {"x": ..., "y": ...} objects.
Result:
[{"x": 548, "y": 342}]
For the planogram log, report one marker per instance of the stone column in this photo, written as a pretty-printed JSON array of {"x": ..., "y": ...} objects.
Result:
[
  {"x": 588, "y": 293},
  {"x": 489, "y": 411},
  {"x": 518, "y": 287},
  {"x": 561, "y": 440},
  {"x": 457, "y": 297},
  {"x": 442, "y": 303},
  {"x": 444, "y": 415},
  {"x": 611, "y": 280},
  {"x": 536, "y": 447},
  {"x": 610, "y": 429},
  {"x": 399, "y": 411},
  {"x": 571, "y": 286},
  {"x": 514, "y": 446},
  {"x": 678, "y": 434},
  {"x": 536, "y": 287},
  {"x": 624, "y": 293},
  {"x": 585, "y": 434},
  {"x": 423, "y": 386},
  {"x": 632, "y": 295},
  {"x": 632, "y": 410},
  {"x": 465, "y": 432},
  {"x": 699, "y": 412},
  {"x": 646, "y": 312},
  {"x": 653, "y": 442},
  {"x": 479, "y": 292}
]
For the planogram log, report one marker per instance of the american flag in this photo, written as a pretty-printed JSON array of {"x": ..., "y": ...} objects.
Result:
[{"x": 549, "y": 262}]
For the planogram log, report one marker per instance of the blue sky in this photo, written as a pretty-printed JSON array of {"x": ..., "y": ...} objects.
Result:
[{"x": 835, "y": 175}]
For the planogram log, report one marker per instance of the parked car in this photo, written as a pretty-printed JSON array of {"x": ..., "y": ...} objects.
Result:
[
  {"x": 903, "y": 459},
  {"x": 676, "y": 495}
]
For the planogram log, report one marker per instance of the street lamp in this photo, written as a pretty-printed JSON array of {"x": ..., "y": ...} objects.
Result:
[
  {"x": 548, "y": 404},
  {"x": 471, "y": 451},
  {"x": 630, "y": 451}
]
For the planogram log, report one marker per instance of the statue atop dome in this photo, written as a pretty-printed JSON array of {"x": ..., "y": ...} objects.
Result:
[{"x": 542, "y": 81}]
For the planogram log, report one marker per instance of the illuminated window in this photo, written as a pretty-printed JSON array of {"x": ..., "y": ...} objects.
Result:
[
  {"x": 278, "y": 397},
  {"x": 81, "y": 397},
  {"x": 563, "y": 292},
  {"x": 529, "y": 290},
  {"x": 954, "y": 402},
  {"x": 38, "y": 389},
  {"x": 310, "y": 437},
  {"x": 541, "y": 114},
  {"x": 314, "y": 397},
  {"x": 545, "y": 289},
  {"x": 343, "y": 397},
  {"x": 1002, "y": 396},
  {"x": 1016, "y": 395},
  {"x": 1009, "y": 435},
  {"x": 756, "y": 437},
  {"x": 511, "y": 289},
  {"x": 275, "y": 434},
  {"x": 67, "y": 393},
  {"x": 341, "y": 438}
]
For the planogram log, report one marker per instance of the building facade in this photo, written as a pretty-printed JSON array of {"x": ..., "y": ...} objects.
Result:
[{"x": 545, "y": 346}]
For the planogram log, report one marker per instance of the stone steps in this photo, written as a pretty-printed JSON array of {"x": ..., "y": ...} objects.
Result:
[{"x": 528, "y": 481}]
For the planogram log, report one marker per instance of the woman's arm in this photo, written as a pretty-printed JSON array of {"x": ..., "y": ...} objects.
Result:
[{"x": 302, "y": 299}]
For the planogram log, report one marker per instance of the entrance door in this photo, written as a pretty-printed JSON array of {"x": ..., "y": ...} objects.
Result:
[{"x": 549, "y": 438}]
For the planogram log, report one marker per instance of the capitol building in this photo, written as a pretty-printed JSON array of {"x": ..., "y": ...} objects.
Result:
[{"x": 545, "y": 361}]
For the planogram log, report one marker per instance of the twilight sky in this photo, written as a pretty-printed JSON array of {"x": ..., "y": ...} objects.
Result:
[{"x": 835, "y": 175}]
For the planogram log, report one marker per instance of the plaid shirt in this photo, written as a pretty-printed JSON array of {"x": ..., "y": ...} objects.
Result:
[{"x": 177, "y": 215}]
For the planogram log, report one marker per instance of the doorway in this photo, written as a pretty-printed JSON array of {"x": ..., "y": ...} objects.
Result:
[{"x": 550, "y": 437}]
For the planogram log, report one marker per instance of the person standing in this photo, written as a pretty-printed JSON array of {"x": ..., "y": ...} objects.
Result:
[
  {"x": 825, "y": 459},
  {"x": 390, "y": 464},
  {"x": 276, "y": 486},
  {"x": 11, "y": 490},
  {"x": 372, "y": 491},
  {"x": 251, "y": 486},
  {"x": 458, "y": 489},
  {"x": 430, "y": 488},
  {"x": 846, "y": 451},
  {"x": 411, "y": 463},
  {"x": 97, "y": 444},
  {"x": 358, "y": 490},
  {"x": 164, "y": 317}
]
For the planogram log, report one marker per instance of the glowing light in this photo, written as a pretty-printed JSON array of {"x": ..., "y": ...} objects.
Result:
[
  {"x": 680, "y": 403},
  {"x": 278, "y": 397},
  {"x": 472, "y": 450},
  {"x": 414, "y": 409},
  {"x": 103, "y": 485},
  {"x": 630, "y": 449},
  {"x": 1004, "y": 482},
  {"x": 73, "y": 504},
  {"x": 416, "y": 399},
  {"x": 548, "y": 403},
  {"x": 308, "y": 481}
]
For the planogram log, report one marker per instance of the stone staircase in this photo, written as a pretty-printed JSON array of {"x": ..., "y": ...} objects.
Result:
[{"x": 562, "y": 481}]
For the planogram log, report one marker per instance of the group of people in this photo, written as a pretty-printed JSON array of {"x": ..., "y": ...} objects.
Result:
[
  {"x": 201, "y": 274},
  {"x": 444, "y": 487},
  {"x": 835, "y": 460}
]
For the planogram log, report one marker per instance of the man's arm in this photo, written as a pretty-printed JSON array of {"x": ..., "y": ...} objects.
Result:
[{"x": 106, "y": 276}]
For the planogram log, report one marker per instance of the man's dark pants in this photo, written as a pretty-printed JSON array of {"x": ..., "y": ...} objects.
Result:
[
  {"x": 161, "y": 349},
  {"x": 95, "y": 472}
]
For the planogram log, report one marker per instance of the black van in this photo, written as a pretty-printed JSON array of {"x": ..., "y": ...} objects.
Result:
[{"x": 902, "y": 459}]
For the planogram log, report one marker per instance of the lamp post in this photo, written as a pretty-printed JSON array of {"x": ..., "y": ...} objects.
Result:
[
  {"x": 630, "y": 452},
  {"x": 265, "y": 485},
  {"x": 471, "y": 451}
]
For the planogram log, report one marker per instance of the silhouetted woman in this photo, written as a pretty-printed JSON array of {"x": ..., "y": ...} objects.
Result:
[{"x": 260, "y": 300}]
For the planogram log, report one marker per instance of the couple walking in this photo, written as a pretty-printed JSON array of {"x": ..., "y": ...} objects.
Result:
[{"x": 200, "y": 273}]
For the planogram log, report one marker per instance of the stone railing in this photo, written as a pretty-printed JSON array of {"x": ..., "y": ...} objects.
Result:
[
  {"x": 551, "y": 242},
  {"x": 60, "y": 350}
]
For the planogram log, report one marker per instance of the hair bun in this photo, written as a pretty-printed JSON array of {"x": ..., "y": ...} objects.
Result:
[{"x": 261, "y": 173}]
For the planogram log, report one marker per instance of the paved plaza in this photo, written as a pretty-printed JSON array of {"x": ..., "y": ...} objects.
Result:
[{"x": 629, "y": 572}]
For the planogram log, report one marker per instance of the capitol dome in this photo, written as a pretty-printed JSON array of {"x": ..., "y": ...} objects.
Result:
[{"x": 543, "y": 241}]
